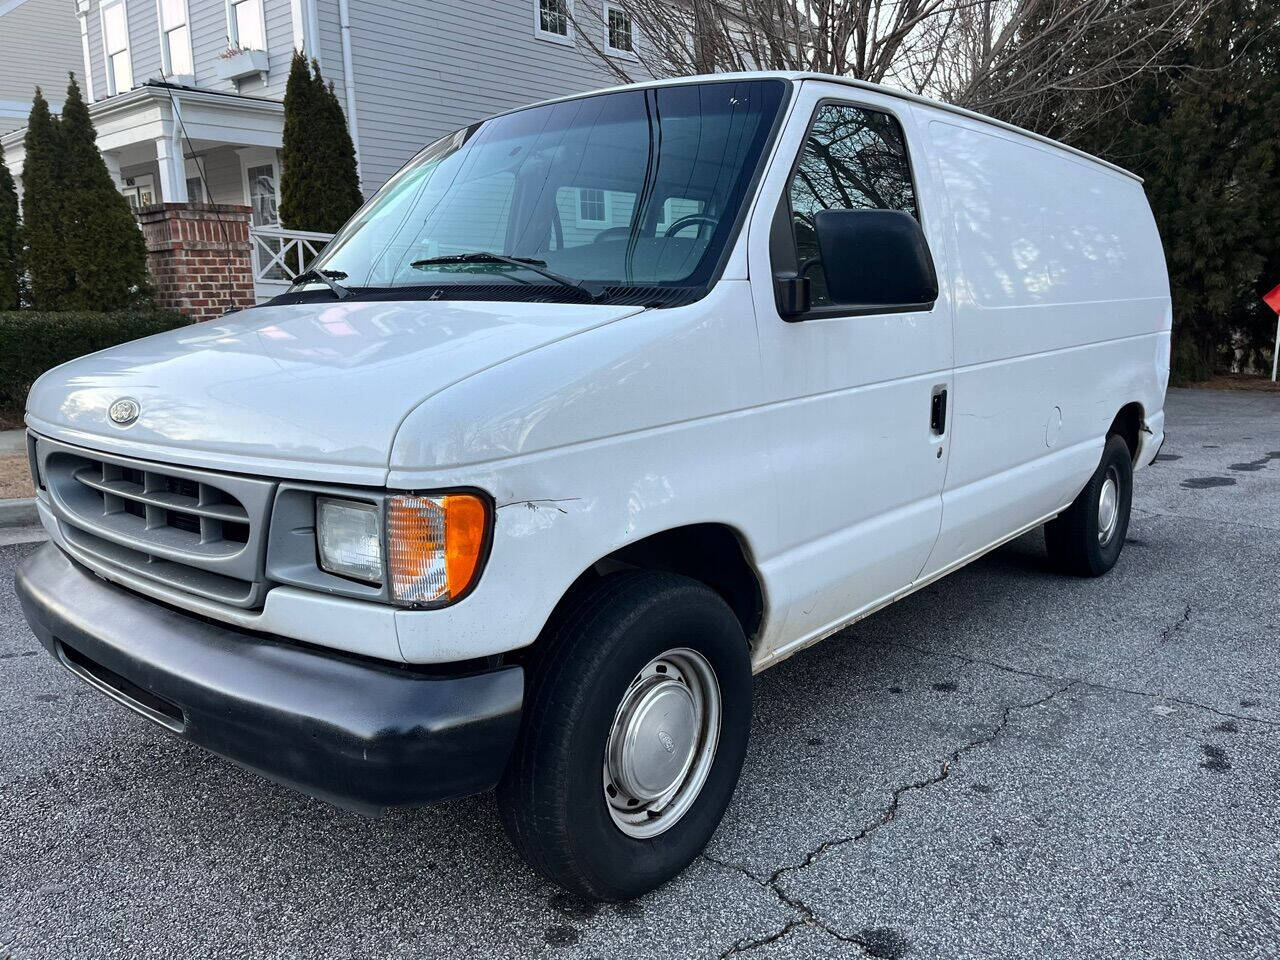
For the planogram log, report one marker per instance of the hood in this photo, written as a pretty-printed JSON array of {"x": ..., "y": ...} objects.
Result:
[{"x": 321, "y": 387}]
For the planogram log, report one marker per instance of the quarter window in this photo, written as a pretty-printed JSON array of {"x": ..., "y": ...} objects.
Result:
[
  {"x": 853, "y": 159},
  {"x": 115, "y": 40},
  {"x": 621, "y": 38},
  {"x": 177, "y": 38},
  {"x": 245, "y": 18},
  {"x": 554, "y": 17}
]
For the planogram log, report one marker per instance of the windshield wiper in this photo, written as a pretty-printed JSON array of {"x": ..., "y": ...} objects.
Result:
[
  {"x": 485, "y": 256},
  {"x": 329, "y": 278}
]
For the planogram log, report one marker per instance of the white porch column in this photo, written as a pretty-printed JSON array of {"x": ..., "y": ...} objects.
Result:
[
  {"x": 173, "y": 170},
  {"x": 112, "y": 160}
]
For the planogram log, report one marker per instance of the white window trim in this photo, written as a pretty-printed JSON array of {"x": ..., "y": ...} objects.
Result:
[
  {"x": 112, "y": 89},
  {"x": 259, "y": 157},
  {"x": 165, "y": 62},
  {"x": 234, "y": 34},
  {"x": 635, "y": 34},
  {"x": 565, "y": 40}
]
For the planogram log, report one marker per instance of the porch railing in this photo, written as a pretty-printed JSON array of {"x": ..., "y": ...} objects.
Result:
[{"x": 279, "y": 255}]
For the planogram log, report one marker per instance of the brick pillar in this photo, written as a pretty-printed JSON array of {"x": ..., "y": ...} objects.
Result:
[{"x": 199, "y": 257}]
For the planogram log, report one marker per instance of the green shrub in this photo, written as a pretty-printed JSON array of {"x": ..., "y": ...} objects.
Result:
[{"x": 32, "y": 342}]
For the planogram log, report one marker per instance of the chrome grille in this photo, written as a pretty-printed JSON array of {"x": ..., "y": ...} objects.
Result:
[{"x": 199, "y": 531}]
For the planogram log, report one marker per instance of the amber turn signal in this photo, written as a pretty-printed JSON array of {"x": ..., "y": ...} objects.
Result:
[{"x": 435, "y": 546}]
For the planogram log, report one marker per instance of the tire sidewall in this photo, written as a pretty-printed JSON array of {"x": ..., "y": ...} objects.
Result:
[
  {"x": 1115, "y": 455},
  {"x": 616, "y": 865}
]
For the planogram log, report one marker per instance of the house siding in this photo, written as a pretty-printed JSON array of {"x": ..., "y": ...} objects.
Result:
[
  {"x": 207, "y": 20},
  {"x": 422, "y": 70},
  {"x": 41, "y": 40}
]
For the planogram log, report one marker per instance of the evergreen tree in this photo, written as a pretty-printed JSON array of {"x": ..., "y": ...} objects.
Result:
[
  {"x": 105, "y": 249},
  {"x": 1206, "y": 142},
  {"x": 319, "y": 186},
  {"x": 296, "y": 174},
  {"x": 10, "y": 244},
  {"x": 42, "y": 177}
]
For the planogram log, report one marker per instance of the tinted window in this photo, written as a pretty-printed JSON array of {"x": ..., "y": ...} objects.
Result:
[{"x": 853, "y": 159}]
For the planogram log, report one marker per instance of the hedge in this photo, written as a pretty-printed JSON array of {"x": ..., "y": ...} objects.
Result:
[{"x": 32, "y": 342}]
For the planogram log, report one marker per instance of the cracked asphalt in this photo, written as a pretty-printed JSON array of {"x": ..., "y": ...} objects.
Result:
[{"x": 1006, "y": 764}]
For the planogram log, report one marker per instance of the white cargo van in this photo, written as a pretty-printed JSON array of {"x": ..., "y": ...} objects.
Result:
[{"x": 596, "y": 408}]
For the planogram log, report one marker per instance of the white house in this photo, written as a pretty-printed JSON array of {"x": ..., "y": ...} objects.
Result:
[{"x": 186, "y": 94}]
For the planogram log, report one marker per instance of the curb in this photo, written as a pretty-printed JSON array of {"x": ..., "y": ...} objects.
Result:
[{"x": 18, "y": 513}]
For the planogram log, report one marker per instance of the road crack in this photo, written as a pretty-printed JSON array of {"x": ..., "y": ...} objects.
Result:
[
  {"x": 1078, "y": 681},
  {"x": 877, "y": 946},
  {"x": 1177, "y": 626}
]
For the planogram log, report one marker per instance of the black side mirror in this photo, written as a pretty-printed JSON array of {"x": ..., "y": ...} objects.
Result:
[{"x": 875, "y": 258}]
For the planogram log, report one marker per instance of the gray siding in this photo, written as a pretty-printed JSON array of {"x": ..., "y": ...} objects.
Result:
[
  {"x": 41, "y": 44},
  {"x": 208, "y": 24},
  {"x": 223, "y": 175},
  {"x": 422, "y": 70}
]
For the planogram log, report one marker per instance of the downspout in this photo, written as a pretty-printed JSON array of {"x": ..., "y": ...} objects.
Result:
[{"x": 349, "y": 82}]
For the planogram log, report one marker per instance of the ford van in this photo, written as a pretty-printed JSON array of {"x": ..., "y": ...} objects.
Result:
[{"x": 597, "y": 408}]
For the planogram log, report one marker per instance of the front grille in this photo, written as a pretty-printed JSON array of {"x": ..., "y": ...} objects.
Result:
[{"x": 199, "y": 531}]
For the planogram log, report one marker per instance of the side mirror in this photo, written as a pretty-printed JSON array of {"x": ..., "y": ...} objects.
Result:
[{"x": 874, "y": 258}]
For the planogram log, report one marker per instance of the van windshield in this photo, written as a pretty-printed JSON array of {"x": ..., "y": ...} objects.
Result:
[{"x": 630, "y": 197}]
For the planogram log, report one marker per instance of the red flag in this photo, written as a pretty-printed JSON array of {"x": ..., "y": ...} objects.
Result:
[{"x": 1272, "y": 299}]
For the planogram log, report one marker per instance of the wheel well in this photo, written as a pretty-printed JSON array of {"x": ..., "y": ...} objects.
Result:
[
  {"x": 711, "y": 553},
  {"x": 1128, "y": 425}
]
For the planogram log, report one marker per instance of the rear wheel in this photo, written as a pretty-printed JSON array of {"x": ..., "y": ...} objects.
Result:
[
  {"x": 1086, "y": 539},
  {"x": 637, "y": 714}
]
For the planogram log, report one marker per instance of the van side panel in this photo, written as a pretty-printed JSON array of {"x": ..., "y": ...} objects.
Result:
[{"x": 1061, "y": 318}]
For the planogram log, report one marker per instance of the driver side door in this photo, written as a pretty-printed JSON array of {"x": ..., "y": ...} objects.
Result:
[{"x": 851, "y": 393}]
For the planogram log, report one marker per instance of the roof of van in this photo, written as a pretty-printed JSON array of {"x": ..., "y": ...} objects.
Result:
[{"x": 864, "y": 85}]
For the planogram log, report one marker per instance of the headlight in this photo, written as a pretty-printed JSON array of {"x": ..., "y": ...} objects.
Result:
[
  {"x": 349, "y": 537},
  {"x": 434, "y": 545}
]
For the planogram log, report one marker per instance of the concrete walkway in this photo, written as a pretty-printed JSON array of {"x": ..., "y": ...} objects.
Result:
[{"x": 12, "y": 441}]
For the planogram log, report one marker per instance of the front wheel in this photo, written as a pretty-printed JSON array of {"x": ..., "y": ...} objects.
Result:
[
  {"x": 637, "y": 715},
  {"x": 1087, "y": 537}
]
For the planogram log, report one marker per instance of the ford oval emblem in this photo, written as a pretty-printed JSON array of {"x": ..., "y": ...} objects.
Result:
[
  {"x": 668, "y": 744},
  {"x": 124, "y": 411}
]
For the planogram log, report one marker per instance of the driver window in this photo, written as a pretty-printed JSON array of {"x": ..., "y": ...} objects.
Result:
[{"x": 853, "y": 159}]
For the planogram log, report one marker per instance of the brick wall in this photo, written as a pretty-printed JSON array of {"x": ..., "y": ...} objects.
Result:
[{"x": 199, "y": 257}]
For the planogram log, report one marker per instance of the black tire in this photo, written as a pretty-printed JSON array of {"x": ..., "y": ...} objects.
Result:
[
  {"x": 552, "y": 798},
  {"x": 1073, "y": 538}
]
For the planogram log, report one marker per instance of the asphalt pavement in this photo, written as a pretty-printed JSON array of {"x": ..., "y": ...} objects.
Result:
[{"x": 1007, "y": 764}]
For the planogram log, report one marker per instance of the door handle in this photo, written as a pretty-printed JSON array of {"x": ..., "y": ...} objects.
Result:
[{"x": 938, "y": 411}]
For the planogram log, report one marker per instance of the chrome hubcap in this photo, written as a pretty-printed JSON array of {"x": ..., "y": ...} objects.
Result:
[
  {"x": 1108, "y": 507},
  {"x": 662, "y": 742}
]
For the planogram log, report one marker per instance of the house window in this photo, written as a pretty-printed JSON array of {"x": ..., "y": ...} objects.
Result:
[
  {"x": 554, "y": 19},
  {"x": 621, "y": 35},
  {"x": 195, "y": 190},
  {"x": 176, "y": 38},
  {"x": 115, "y": 41},
  {"x": 244, "y": 20},
  {"x": 263, "y": 196},
  {"x": 591, "y": 205}
]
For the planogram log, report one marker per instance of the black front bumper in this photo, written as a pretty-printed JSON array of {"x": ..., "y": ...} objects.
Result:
[{"x": 348, "y": 730}]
